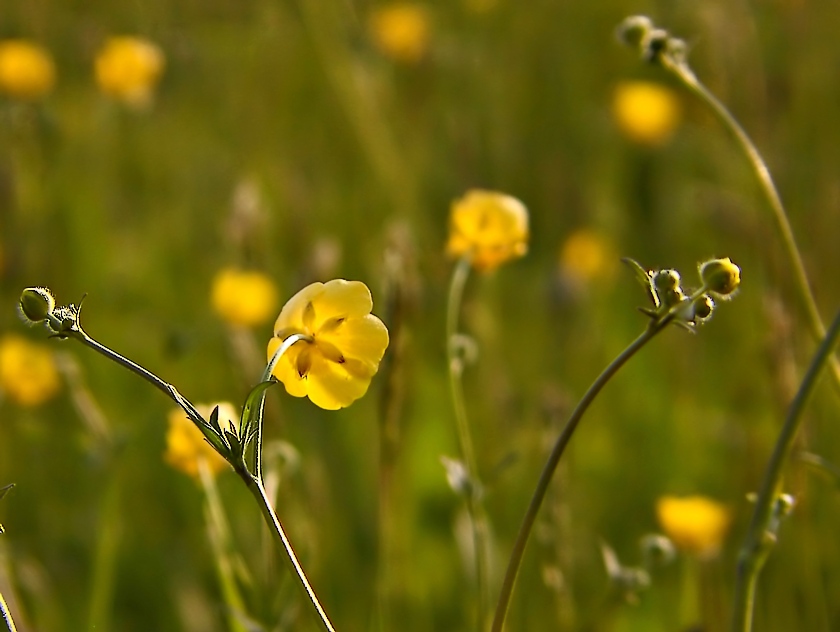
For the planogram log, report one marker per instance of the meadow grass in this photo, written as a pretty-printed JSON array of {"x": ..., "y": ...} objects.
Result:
[{"x": 288, "y": 139}]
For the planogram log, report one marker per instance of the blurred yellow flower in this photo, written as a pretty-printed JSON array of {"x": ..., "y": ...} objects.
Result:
[
  {"x": 128, "y": 69},
  {"x": 401, "y": 31},
  {"x": 695, "y": 524},
  {"x": 243, "y": 297},
  {"x": 344, "y": 344},
  {"x": 186, "y": 446},
  {"x": 490, "y": 227},
  {"x": 27, "y": 70},
  {"x": 28, "y": 372},
  {"x": 646, "y": 112},
  {"x": 586, "y": 255}
]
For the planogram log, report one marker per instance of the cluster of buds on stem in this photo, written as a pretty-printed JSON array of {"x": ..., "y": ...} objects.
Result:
[
  {"x": 654, "y": 44},
  {"x": 719, "y": 279}
]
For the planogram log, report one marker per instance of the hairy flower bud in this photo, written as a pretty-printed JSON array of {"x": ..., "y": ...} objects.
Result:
[
  {"x": 720, "y": 276},
  {"x": 36, "y": 304}
]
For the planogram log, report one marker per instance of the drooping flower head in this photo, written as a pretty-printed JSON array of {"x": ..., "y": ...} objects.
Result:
[
  {"x": 243, "y": 297},
  {"x": 489, "y": 227},
  {"x": 27, "y": 71},
  {"x": 28, "y": 372},
  {"x": 646, "y": 112},
  {"x": 186, "y": 447},
  {"x": 344, "y": 343},
  {"x": 128, "y": 69},
  {"x": 695, "y": 524}
]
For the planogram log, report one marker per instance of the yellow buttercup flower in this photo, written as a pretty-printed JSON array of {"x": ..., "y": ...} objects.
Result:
[
  {"x": 695, "y": 524},
  {"x": 401, "y": 31},
  {"x": 343, "y": 347},
  {"x": 28, "y": 372},
  {"x": 27, "y": 70},
  {"x": 243, "y": 297},
  {"x": 586, "y": 255},
  {"x": 186, "y": 447},
  {"x": 490, "y": 227},
  {"x": 646, "y": 112},
  {"x": 129, "y": 68}
]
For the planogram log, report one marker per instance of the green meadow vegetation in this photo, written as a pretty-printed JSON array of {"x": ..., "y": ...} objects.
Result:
[{"x": 479, "y": 169}]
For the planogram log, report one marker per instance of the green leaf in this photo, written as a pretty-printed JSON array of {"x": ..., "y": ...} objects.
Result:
[{"x": 252, "y": 409}]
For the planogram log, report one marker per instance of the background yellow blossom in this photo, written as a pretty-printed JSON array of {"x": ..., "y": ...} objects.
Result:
[
  {"x": 401, "y": 31},
  {"x": 646, "y": 112},
  {"x": 695, "y": 524},
  {"x": 129, "y": 68},
  {"x": 490, "y": 227},
  {"x": 28, "y": 373},
  {"x": 243, "y": 297},
  {"x": 186, "y": 446},
  {"x": 27, "y": 70}
]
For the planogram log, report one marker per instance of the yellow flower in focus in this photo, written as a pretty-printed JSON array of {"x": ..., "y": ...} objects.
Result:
[
  {"x": 646, "y": 112},
  {"x": 586, "y": 256},
  {"x": 28, "y": 373},
  {"x": 401, "y": 31},
  {"x": 27, "y": 71},
  {"x": 128, "y": 69},
  {"x": 186, "y": 446},
  {"x": 695, "y": 524},
  {"x": 242, "y": 297},
  {"x": 490, "y": 227},
  {"x": 344, "y": 345}
]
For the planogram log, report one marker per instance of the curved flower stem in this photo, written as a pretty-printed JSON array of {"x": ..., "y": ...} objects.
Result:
[
  {"x": 472, "y": 495},
  {"x": 257, "y": 489},
  {"x": 253, "y": 482},
  {"x": 551, "y": 465},
  {"x": 762, "y": 532},
  {"x": 6, "y": 616},
  {"x": 680, "y": 69},
  {"x": 269, "y": 369}
]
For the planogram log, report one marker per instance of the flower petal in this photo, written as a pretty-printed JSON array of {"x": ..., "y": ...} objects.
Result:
[
  {"x": 291, "y": 316},
  {"x": 363, "y": 339},
  {"x": 331, "y": 386},
  {"x": 342, "y": 298},
  {"x": 286, "y": 369}
]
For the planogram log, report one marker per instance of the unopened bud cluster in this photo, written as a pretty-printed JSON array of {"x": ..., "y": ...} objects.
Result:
[
  {"x": 638, "y": 31},
  {"x": 37, "y": 305},
  {"x": 719, "y": 279}
]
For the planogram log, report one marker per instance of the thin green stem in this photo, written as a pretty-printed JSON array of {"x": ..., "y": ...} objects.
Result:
[
  {"x": 105, "y": 561},
  {"x": 686, "y": 76},
  {"x": 220, "y": 540},
  {"x": 6, "y": 616},
  {"x": 762, "y": 532},
  {"x": 456, "y": 387},
  {"x": 257, "y": 489},
  {"x": 254, "y": 483},
  {"x": 544, "y": 481}
]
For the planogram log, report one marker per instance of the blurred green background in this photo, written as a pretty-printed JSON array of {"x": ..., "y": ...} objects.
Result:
[{"x": 281, "y": 137}]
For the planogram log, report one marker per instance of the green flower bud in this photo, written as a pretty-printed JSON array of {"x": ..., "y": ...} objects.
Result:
[
  {"x": 634, "y": 30},
  {"x": 703, "y": 308},
  {"x": 664, "y": 280},
  {"x": 720, "y": 276},
  {"x": 36, "y": 304},
  {"x": 672, "y": 297}
]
